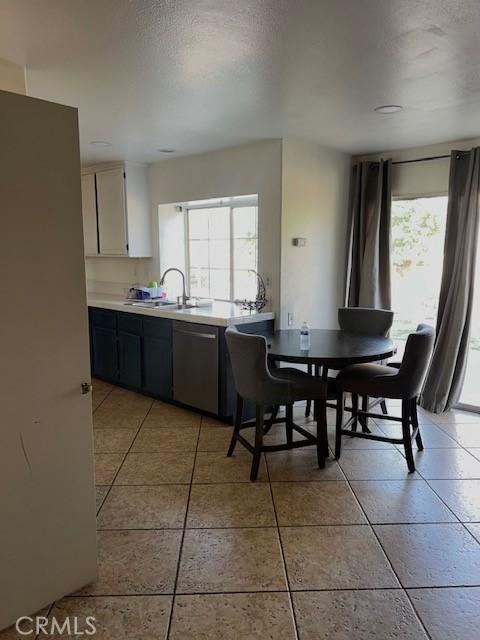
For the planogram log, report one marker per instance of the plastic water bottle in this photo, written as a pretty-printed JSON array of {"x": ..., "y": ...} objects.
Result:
[{"x": 304, "y": 337}]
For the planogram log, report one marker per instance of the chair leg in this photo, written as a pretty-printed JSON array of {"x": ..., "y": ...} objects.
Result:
[
  {"x": 273, "y": 417},
  {"x": 237, "y": 424},
  {"x": 309, "y": 402},
  {"x": 260, "y": 418},
  {"x": 383, "y": 407},
  {"x": 354, "y": 411},
  {"x": 407, "y": 437},
  {"x": 289, "y": 423},
  {"x": 364, "y": 419},
  {"x": 339, "y": 424},
  {"x": 322, "y": 434},
  {"x": 414, "y": 417}
]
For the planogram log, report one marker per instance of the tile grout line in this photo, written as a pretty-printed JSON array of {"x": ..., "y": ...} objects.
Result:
[
  {"x": 464, "y": 524},
  {"x": 428, "y": 484},
  {"x": 158, "y": 594},
  {"x": 120, "y": 466},
  {"x": 124, "y": 458},
  {"x": 47, "y": 614},
  {"x": 404, "y": 590},
  {"x": 277, "y": 527},
  {"x": 102, "y": 401},
  {"x": 319, "y": 525},
  {"x": 180, "y": 549},
  {"x": 284, "y": 563}
]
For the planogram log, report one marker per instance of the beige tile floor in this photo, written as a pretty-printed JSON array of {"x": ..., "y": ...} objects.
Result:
[{"x": 189, "y": 549}]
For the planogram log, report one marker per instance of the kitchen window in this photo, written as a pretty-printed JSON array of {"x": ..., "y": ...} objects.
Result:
[{"x": 222, "y": 248}]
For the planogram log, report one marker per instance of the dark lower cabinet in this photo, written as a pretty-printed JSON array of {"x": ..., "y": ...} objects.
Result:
[
  {"x": 157, "y": 357},
  {"x": 130, "y": 360},
  {"x": 104, "y": 351},
  {"x": 132, "y": 350},
  {"x": 157, "y": 366},
  {"x": 189, "y": 365}
]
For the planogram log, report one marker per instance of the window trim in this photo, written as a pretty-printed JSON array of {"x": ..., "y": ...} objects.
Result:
[
  {"x": 235, "y": 202},
  {"x": 442, "y": 194}
]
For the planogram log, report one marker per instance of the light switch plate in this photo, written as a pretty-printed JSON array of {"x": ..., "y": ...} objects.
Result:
[{"x": 299, "y": 242}]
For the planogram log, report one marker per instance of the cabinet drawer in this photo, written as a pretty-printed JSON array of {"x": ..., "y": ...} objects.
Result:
[
  {"x": 129, "y": 323},
  {"x": 104, "y": 318},
  {"x": 157, "y": 328}
]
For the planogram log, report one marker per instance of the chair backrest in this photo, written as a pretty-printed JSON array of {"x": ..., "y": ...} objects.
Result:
[
  {"x": 253, "y": 381},
  {"x": 416, "y": 359},
  {"x": 367, "y": 322}
]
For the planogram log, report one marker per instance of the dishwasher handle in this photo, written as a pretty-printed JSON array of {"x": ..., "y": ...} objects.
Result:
[{"x": 196, "y": 334}]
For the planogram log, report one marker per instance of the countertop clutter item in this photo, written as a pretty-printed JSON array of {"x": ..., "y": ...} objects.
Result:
[
  {"x": 260, "y": 301},
  {"x": 202, "y": 302},
  {"x": 147, "y": 293}
]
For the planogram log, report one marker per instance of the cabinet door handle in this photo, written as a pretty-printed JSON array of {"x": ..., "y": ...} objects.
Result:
[
  {"x": 86, "y": 388},
  {"x": 196, "y": 334}
]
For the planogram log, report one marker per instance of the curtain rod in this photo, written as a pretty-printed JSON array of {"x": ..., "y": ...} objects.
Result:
[{"x": 426, "y": 159}]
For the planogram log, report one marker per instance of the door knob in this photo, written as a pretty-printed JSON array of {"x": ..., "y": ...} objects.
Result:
[{"x": 86, "y": 387}]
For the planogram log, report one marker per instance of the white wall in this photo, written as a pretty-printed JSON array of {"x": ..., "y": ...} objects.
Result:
[
  {"x": 421, "y": 178},
  {"x": 115, "y": 275},
  {"x": 12, "y": 77},
  {"x": 314, "y": 206},
  {"x": 302, "y": 190},
  {"x": 247, "y": 169}
]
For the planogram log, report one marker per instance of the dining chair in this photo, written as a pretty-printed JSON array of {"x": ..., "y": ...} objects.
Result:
[
  {"x": 256, "y": 383},
  {"x": 401, "y": 381},
  {"x": 366, "y": 322}
]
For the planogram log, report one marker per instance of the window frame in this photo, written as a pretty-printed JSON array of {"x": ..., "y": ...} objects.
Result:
[{"x": 235, "y": 202}]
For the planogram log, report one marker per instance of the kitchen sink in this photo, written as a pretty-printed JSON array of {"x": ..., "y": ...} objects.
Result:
[
  {"x": 151, "y": 304},
  {"x": 159, "y": 304}
]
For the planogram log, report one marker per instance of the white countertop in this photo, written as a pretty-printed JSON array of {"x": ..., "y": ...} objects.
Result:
[{"x": 220, "y": 314}]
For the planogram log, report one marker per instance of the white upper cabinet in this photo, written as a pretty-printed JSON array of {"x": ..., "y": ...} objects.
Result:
[
  {"x": 112, "y": 223},
  {"x": 89, "y": 208},
  {"x": 121, "y": 213}
]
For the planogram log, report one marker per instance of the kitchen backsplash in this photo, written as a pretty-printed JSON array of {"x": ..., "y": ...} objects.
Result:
[{"x": 117, "y": 275}]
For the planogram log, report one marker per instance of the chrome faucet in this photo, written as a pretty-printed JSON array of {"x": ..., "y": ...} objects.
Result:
[{"x": 184, "y": 296}]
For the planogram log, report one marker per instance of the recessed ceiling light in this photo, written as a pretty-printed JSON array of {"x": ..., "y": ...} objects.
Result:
[
  {"x": 101, "y": 143},
  {"x": 166, "y": 150},
  {"x": 388, "y": 108}
]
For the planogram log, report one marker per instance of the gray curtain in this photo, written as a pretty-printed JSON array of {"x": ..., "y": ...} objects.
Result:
[
  {"x": 368, "y": 268},
  {"x": 447, "y": 369}
]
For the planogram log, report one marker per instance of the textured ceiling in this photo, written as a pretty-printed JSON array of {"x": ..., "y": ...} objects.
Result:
[{"x": 195, "y": 75}]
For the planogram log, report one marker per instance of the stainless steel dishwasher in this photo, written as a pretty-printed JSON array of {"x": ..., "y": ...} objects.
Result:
[{"x": 195, "y": 365}]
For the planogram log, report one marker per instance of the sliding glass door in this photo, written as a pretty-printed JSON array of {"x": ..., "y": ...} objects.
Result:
[
  {"x": 418, "y": 234},
  {"x": 470, "y": 396}
]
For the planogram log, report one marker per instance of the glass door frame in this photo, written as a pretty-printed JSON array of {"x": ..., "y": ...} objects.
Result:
[{"x": 459, "y": 405}]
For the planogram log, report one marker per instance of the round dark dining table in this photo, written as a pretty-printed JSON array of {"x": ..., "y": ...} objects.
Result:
[{"x": 329, "y": 348}]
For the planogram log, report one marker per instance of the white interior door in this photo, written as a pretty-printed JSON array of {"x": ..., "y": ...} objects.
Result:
[
  {"x": 111, "y": 212},
  {"x": 89, "y": 210},
  {"x": 47, "y": 506}
]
